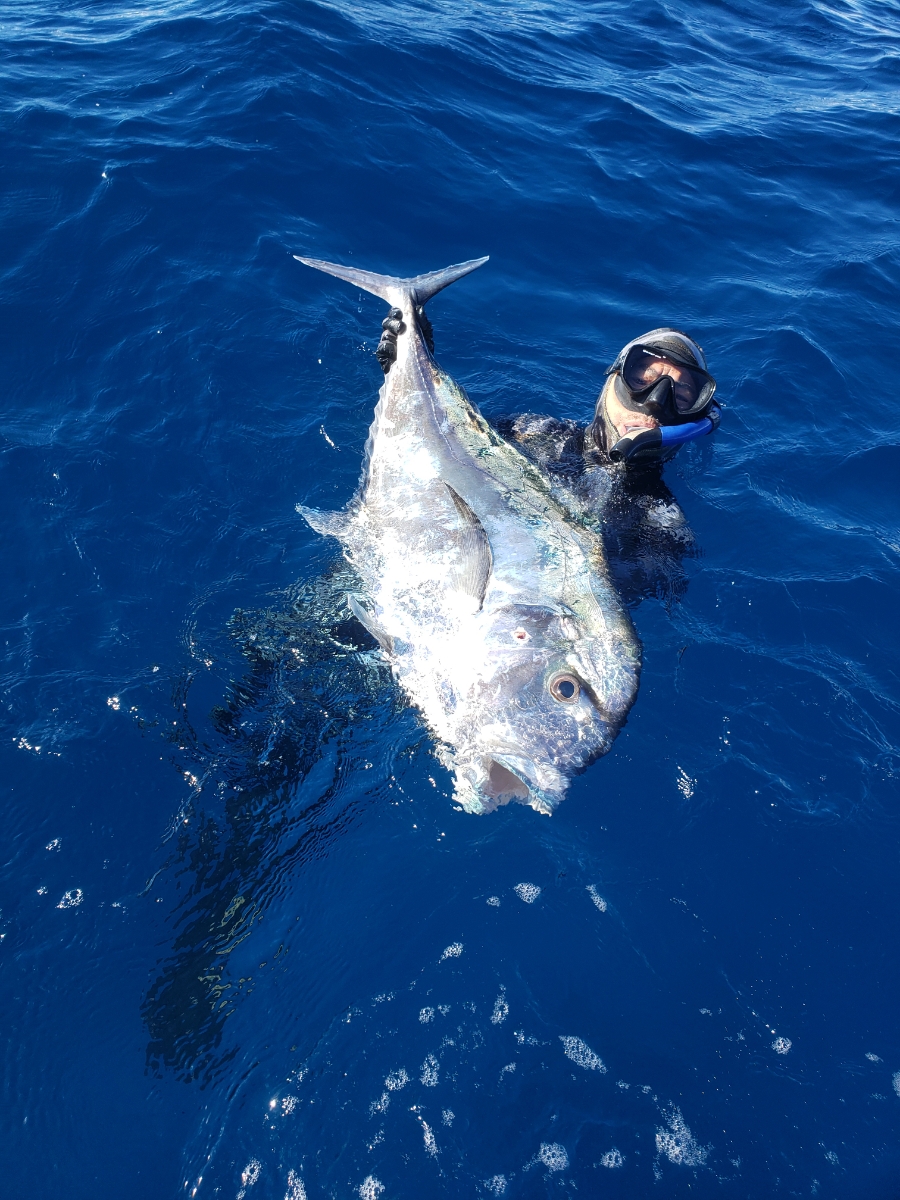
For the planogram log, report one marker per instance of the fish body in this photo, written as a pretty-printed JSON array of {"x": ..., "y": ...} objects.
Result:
[{"x": 494, "y": 607}]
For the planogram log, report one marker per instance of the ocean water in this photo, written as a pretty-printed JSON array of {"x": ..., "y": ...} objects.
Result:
[{"x": 248, "y": 947}]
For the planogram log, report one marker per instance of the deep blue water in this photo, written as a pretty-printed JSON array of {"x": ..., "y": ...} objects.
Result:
[{"x": 232, "y": 872}]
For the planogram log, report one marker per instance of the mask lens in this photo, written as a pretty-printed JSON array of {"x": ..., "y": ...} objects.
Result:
[{"x": 692, "y": 389}]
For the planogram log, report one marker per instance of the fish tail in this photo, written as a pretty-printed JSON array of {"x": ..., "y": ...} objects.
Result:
[{"x": 419, "y": 289}]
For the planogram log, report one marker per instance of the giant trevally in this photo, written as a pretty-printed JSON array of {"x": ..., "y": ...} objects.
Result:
[{"x": 493, "y": 605}]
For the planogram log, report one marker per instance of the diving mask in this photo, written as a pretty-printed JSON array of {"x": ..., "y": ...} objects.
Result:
[{"x": 661, "y": 382}]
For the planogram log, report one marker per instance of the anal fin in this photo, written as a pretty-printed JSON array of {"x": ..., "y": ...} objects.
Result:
[
  {"x": 368, "y": 622},
  {"x": 329, "y": 524}
]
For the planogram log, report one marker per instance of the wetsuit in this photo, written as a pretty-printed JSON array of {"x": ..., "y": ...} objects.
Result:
[{"x": 645, "y": 532}]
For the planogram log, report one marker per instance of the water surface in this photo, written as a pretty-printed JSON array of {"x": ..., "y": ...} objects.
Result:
[{"x": 248, "y": 945}]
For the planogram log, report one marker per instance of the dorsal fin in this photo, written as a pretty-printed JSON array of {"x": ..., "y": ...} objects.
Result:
[
  {"x": 419, "y": 288},
  {"x": 476, "y": 559}
]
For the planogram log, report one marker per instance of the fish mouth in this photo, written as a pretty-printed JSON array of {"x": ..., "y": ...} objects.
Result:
[
  {"x": 503, "y": 784},
  {"x": 493, "y": 780}
]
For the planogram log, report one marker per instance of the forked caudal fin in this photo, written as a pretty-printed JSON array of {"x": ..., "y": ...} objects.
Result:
[{"x": 420, "y": 288}]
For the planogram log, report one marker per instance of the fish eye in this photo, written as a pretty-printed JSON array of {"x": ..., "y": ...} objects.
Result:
[{"x": 565, "y": 688}]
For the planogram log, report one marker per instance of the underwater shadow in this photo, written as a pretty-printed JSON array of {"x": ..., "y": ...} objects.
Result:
[{"x": 271, "y": 793}]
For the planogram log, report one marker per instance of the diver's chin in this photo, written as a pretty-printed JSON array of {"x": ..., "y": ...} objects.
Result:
[
  {"x": 640, "y": 425},
  {"x": 489, "y": 782}
]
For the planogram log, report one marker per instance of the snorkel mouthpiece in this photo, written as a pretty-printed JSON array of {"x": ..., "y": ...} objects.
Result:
[
  {"x": 656, "y": 440},
  {"x": 626, "y": 447}
]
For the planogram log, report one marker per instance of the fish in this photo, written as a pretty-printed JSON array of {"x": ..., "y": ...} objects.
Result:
[{"x": 493, "y": 605}]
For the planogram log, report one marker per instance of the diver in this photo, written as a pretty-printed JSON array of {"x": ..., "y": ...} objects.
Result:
[{"x": 658, "y": 395}]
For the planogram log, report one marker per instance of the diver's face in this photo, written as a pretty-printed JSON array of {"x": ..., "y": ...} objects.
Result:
[
  {"x": 625, "y": 420},
  {"x": 652, "y": 369}
]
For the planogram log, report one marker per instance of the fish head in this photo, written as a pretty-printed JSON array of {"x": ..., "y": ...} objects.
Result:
[{"x": 551, "y": 698}]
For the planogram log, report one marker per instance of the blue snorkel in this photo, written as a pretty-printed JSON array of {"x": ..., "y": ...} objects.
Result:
[{"x": 661, "y": 439}]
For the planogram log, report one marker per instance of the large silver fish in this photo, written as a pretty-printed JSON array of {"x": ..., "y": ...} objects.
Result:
[{"x": 494, "y": 607}]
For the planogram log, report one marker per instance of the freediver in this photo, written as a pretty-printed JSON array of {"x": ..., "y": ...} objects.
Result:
[{"x": 658, "y": 395}]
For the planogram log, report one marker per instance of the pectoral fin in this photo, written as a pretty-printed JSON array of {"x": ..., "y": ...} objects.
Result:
[
  {"x": 475, "y": 559},
  {"x": 368, "y": 622}
]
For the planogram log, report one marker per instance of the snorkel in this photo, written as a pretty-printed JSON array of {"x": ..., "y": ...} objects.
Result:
[{"x": 660, "y": 439}]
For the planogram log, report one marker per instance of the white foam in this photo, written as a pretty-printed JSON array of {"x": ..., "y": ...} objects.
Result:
[
  {"x": 296, "y": 1190},
  {"x": 396, "y": 1080},
  {"x": 380, "y": 1105},
  {"x": 781, "y": 1045},
  {"x": 430, "y": 1071},
  {"x": 24, "y": 744},
  {"x": 370, "y": 1188},
  {"x": 426, "y": 1015},
  {"x": 896, "y": 1081},
  {"x": 453, "y": 951},
  {"x": 494, "y": 902},
  {"x": 501, "y": 1010},
  {"x": 250, "y": 1173},
  {"x": 553, "y": 1156},
  {"x": 678, "y": 1143},
  {"x": 596, "y": 897},
  {"x": 519, "y": 1035},
  {"x": 448, "y": 1116},
  {"x": 496, "y": 1185},
  {"x": 612, "y": 1159},
  {"x": 684, "y": 783},
  {"x": 71, "y": 899},
  {"x": 288, "y": 1104},
  {"x": 431, "y": 1146},
  {"x": 527, "y": 892},
  {"x": 872, "y": 1057},
  {"x": 582, "y": 1055}
]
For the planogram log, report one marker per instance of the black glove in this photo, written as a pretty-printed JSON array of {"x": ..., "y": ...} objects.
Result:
[
  {"x": 391, "y": 326},
  {"x": 386, "y": 351}
]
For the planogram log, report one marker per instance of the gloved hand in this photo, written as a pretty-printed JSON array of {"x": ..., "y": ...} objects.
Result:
[
  {"x": 392, "y": 325},
  {"x": 386, "y": 351}
]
